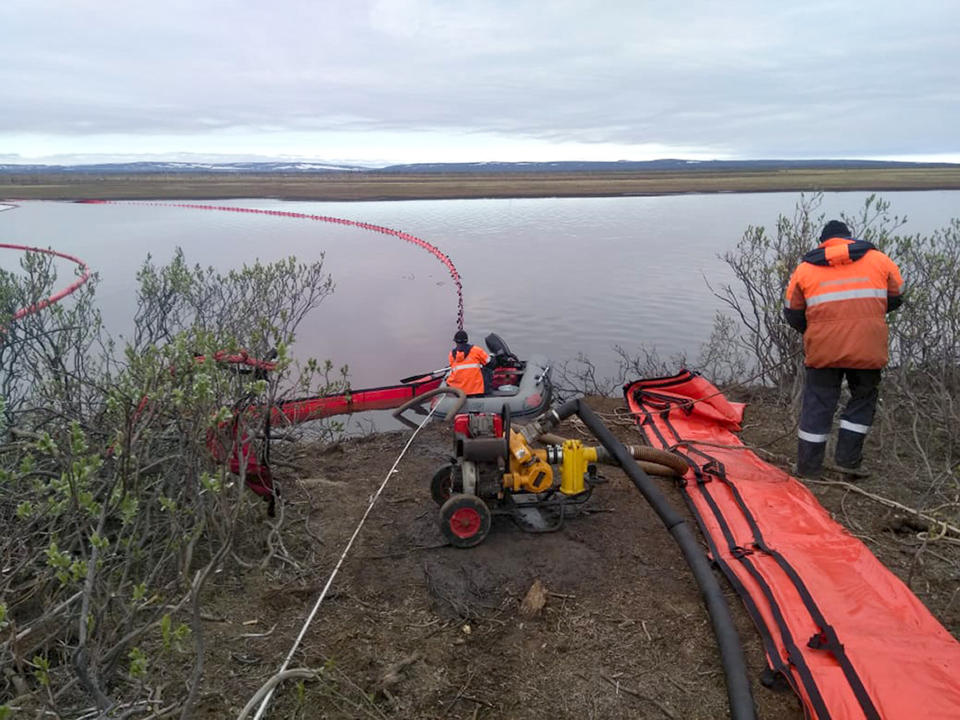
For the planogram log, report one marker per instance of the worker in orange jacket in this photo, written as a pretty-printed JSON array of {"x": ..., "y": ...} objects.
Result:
[
  {"x": 467, "y": 364},
  {"x": 838, "y": 297}
]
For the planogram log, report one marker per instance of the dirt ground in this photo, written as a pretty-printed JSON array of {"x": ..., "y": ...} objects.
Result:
[{"x": 414, "y": 628}]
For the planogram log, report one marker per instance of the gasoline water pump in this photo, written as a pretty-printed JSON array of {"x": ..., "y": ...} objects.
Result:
[{"x": 496, "y": 471}]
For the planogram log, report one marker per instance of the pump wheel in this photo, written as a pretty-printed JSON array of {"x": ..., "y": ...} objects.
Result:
[
  {"x": 464, "y": 520},
  {"x": 442, "y": 486}
]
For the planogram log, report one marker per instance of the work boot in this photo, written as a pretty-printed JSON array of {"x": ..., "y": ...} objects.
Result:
[
  {"x": 810, "y": 459},
  {"x": 850, "y": 473},
  {"x": 806, "y": 473},
  {"x": 849, "y": 450}
]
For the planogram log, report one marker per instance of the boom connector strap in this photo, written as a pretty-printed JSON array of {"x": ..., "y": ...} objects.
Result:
[{"x": 827, "y": 640}]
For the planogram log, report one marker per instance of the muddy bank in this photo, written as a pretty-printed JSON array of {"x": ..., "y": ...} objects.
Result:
[{"x": 414, "y": 628}]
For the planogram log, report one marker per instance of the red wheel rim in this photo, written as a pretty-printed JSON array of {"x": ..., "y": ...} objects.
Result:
[{"x": 465, "y": 522}]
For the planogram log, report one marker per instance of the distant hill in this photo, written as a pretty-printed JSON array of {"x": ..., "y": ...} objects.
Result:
[
  {"x": 287, "y": 168},
  {"x": 135, "y": 168},
  {"x": 669, "y": 165}
]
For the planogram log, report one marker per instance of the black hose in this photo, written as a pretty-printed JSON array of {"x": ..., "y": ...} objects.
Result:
[
  {"x": 731, "y": 652},
  {"x": 417, "y": 402}
]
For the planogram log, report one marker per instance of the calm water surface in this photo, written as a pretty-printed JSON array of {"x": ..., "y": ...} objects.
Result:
[{"x": 556, "y": 276}]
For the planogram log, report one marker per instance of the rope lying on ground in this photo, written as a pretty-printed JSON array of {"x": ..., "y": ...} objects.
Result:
[
  {"x": 272, "y": 682},
  {"x": 269, "y": 685}
]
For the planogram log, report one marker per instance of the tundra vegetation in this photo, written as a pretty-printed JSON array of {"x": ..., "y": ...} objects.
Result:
[
  {"x": 374, "y": 185},
  {"x": 117, "y": 516},
  {"x": 116, "y": 513}
]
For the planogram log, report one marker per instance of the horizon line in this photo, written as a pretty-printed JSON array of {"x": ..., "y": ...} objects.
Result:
[{"x": 369, "y": 165}]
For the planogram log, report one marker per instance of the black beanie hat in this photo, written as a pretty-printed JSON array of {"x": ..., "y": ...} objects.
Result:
[
  {"x": 833, "y": 229},
  {"x": 460, "y": 336}
]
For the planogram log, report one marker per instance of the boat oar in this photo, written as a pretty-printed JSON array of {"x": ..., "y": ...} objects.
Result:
[{"x": 430, "y": 374}]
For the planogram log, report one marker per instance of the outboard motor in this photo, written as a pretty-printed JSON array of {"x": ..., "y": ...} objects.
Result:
[{"x": 498, "y": 348}]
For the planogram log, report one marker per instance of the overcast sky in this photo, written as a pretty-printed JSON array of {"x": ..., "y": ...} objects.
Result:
[{"x": 390, "y": 81}]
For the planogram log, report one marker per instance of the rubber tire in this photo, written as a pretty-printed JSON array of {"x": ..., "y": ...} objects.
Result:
[
  {"x": 442, "y": 486},
  {"x": 464, "y": 520}
]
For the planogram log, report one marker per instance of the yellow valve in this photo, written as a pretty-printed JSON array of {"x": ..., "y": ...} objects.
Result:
[
  {"x": 573, "y": 469},
  {"x": 529, "y": 469}
]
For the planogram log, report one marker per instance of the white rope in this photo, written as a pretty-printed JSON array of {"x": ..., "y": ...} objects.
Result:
[{"x": 323, "y": 594}]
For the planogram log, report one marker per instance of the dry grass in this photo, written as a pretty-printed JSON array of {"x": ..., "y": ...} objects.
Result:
[{"x": 382, "y": 186}]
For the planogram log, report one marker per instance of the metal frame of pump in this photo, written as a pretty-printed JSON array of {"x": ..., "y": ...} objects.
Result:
[{"x": 495, "y": 471}]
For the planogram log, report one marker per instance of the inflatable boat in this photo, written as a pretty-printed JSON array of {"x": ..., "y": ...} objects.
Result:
[{"x": 523, "y": 387}]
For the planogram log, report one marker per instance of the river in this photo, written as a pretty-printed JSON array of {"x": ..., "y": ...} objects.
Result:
[{"x": 559, "y": 276}]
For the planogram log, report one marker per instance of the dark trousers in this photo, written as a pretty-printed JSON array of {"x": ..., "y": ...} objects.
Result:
[
  {"x": 487, "y": 373},
  {"x": 821, "y": 393}
]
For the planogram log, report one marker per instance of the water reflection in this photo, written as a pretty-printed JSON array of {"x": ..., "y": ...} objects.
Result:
[{"x": 560, "y": 276}]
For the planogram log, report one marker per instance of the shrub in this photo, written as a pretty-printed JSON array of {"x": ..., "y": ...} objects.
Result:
[
  {"x": 115, "y": 511},
  {"x": 919, "y": 410}
]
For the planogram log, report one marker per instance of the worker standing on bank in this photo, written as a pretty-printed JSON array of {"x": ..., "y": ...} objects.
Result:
[
  {"x": 466, "y": 365},
  {"x": 838, "y": 297}
]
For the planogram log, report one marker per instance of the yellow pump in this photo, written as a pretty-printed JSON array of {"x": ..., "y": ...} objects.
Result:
[
  {"x": 530, "y": 469},
  {"x": 573, "y": 467},
  {"x": 502, "y": 473}
]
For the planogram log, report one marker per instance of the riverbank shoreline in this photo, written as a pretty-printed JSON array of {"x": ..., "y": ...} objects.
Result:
[{"x": 375, "y": 186}]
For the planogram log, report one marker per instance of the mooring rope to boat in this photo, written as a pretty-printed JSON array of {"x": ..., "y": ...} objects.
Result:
[
  {"x": 272, "y": 682},
  {"x": 432, "y": 249}
]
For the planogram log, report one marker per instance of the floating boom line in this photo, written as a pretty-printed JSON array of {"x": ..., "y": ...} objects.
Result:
[
  {"x": 432, "y": 249},
  {"x": 57, "y": 296}
]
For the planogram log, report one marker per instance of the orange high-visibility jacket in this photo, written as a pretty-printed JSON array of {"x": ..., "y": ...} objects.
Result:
[
  {"x": 465, "y": 369},
  {"x": 838, "y": 297}
]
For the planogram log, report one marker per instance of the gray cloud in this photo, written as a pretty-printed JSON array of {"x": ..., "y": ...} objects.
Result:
[{"x": 749, "y": 79}]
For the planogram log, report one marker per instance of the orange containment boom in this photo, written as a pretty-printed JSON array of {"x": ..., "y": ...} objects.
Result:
[
  {"x": 848, "y": 635},
  {"x": 238, "y": 450},
  {"x": 291, "y": 412}
]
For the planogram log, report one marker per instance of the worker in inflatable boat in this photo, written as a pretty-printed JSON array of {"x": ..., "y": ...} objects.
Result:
[
  {"x": 838, "y": 297},
  {"x": 467, "y": 366}
]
